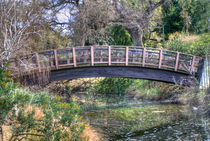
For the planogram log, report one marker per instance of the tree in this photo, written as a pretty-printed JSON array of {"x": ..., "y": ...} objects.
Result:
[
  {"x": 187, "y": 16},
  {"x": 88, "y": 17},
  {"x": 134, "y": 16},
  {"x": 199, "y": 15},
  {"x": 172, "y": 17},
  {"x": 90, "y": 21},
  {"x": 18, "y": 21}
]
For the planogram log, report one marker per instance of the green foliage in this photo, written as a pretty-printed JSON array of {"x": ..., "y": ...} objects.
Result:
[
  {"x": 188, "y": 15},
  {"x": 177, "y": 45},
  {"x": 113, "y": 85},
  {"x": 199, "y": 47},
  {"x": 172, "y": 18},
  {"x": 120, "y": 36},
  {"x": 202, "y": 45},
  {"x": 37, "y": 115},
  {"x": 199, "y": 13},
  {"x": 150, "y": 90}
]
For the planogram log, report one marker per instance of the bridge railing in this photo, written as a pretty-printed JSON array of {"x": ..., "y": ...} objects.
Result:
[{"x": 106, "y": 56}]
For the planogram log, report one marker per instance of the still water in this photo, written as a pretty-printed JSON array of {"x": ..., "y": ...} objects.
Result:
[{"x": 150, "y": 123}]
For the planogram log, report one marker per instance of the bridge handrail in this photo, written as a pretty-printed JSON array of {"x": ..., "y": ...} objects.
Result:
[{"x": 84, "y": 55}]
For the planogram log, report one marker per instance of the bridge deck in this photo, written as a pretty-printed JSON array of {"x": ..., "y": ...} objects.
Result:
[{"x": 106, "y": 56}]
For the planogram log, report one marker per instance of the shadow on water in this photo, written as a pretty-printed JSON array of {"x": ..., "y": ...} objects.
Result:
[{"x": 149, "y": 122}]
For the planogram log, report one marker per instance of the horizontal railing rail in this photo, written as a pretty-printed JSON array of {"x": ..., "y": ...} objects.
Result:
[{"x": 106, "y": 55}]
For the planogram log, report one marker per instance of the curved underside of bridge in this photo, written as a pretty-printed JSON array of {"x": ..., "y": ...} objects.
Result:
[{"x": 125, "y": 72}]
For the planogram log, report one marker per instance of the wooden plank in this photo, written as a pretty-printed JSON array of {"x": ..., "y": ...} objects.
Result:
[
  {"x": 126, "y": 56},
  {"x": 160, "y": 58},
  {"x": 92, "y": 55},
  {"x": 38, "y": 61},
  {"x": 110, "y": 57},
  {"x": 177, "y": 61},
  {"x": 168, "y": 67},
  {"x": 144, "y": 54},
  {"x": 193, "y": 64},
  {"x": 118, "y": 62},
  {"x": 56, "y": 58},
  {"x": 100, "y": 62},
  {"x": 74, "y": 57},
  {"x": 66, "y": 65}
]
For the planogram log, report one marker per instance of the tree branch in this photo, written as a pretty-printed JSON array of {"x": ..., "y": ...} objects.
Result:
[
  {"x": 26, "y": 134},
  {"x": 152, "y": 6}
]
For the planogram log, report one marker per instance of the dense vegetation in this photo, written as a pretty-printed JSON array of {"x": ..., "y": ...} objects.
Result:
[{"x": 36, "y": 115}]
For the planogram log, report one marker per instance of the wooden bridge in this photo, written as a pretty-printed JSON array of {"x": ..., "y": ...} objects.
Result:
[{"x": 112, "y": 61}]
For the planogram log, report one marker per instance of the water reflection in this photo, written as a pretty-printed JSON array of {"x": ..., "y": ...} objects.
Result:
[{"x": 150, "y": 123}]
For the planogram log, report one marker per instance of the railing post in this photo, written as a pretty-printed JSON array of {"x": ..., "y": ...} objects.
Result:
[
  {"x": 126, "y": 56},
  {"x": 56, "y": 58},
  {"x": 92, "y": 55},
  {"x": 177, "y": 62},
  {"x": 38, "y": 61},
  {"x": 160, "y": 58},
  {"x": 192, "y": 66},
  {"x": 74, "y": 57},
  {"x": 110, "y": 61},
  {"x": 144, "y": 54}
]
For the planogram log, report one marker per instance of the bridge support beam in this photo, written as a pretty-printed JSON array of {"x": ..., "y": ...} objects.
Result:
[{"x": 126, "y": 72}]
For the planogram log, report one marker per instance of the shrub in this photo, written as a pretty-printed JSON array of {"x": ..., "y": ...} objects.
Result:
[
  {"x": 36, "y": 115},
  {"x": 198, "y": 47},
  {"x": 113, "y": 85}
]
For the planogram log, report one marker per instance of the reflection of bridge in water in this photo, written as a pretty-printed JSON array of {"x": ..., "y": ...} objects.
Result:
[{"x": 112, "y": 61}]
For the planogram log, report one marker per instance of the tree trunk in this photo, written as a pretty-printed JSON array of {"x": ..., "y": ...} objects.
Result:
[{"x": 136, "y": 36}]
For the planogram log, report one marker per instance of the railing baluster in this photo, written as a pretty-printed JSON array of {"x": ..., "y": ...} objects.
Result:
[
  {"x": 126, "y": 56},
  {"x": 38, "y": 61},
  {"x": 74, "y": 57},
  {"x": 177, "y": 62},
  {"x": 160, "y": 58},
  {"x": 144, "y": 54},
  {"x": 101, "y": 59},
  {"x": 67, "y": 57},
  {"x": 51, "y": 61},
  {"x": 192, "y": 66},
  {"x": 110, "y": 61},
  {"x": 92, "y": 55},
  {"x": 56, "y": 58}
]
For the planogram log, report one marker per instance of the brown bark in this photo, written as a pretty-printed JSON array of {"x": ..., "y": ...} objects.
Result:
[
  {"x": 135, "y": 20},
  {"x": 136, "y": 35}
]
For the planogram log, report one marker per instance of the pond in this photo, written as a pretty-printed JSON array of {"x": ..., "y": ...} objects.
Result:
[{"x": 147, "y": 122}]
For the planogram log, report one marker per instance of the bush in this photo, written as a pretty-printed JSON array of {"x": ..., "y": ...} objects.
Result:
[
  {"x": 113, "y": 85},
  {"x": 36, "y": 115},
  {"x": 177, "y": 45},
  {"x": 198, "y": 47},
  {"x": 201, "y": 46}
]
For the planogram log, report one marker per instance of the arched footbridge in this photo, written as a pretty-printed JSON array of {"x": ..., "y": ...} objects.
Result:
[{"x": 112, "y": 61}]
